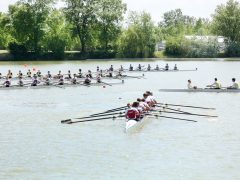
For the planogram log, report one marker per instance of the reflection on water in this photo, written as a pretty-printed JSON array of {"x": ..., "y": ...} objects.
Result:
[{"x": 35, "y": 145}]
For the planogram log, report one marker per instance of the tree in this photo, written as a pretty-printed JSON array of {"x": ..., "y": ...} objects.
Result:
[
  {"x": 5, "y": 31},
  {"x": 28, "y": 20},
  {"x": 140, "y": 36},
  {"x": 82, "y": 14},
  {"x": 110, "y": 14},
  {"x": 226, "y": 21}
]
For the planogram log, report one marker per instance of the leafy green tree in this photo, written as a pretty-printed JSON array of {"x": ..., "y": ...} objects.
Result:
[
  {"x": 82, "y": 14},
  {"x": 5, "y": 31},
  {"x": 110, "y": 15},
  {"x": 226, "y": 21},
  {"x": 28, "y": 19}
]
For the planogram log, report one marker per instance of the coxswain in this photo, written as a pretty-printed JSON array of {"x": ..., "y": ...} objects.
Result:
[
  {"x": 34, "y": 82},
  {"x": 157, "y": 68},
  {"x": 87, "y": 80},
  {"x": 149, "y": 67},
  {"x": 190, "y": 85},
  {"x": 39, "y": 74},
  {"x": 98, "y": 68},
  {"x": 175, "y": 67},
  {"x": 29, "y": 73},
  {"x": 74, "y": 80},
  {"x": 167, "y": 67},
  {"x": 215, "y": 85},
  {"x": 61, "y": 80},
  {"x": 130, "y": 67},
  {"x": 7, "y": 83},
  {"x": 99, "y": 79},
  {"x": 133, "y": 113},
  {"x": 235, "y": 85},
  {"x": 20, "y": 82},
  {"x": 139, "y": 67},
  {"x": 9, "y": 74},
  {"x": 111, "y": 68}
]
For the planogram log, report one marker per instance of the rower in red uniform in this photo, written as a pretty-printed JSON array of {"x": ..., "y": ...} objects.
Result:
[{"x": 133, "y": 112}]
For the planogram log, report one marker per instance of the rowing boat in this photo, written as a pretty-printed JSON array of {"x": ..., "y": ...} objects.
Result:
[
  {"x": 132, "y": 125},
  {"x": 55, "y": 85},
  {"x": 202, "y": 90},
  {"x": 161, "y": 70}
]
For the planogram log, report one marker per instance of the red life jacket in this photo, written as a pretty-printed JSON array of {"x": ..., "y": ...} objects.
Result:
[{"x": 132, "y": 114}]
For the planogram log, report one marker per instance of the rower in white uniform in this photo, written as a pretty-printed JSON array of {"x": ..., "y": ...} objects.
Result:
[
  {"x": 130, "y": 67},
  {"x": 216, "y": 84},
  {"x": 61, "y": 80},
  {"x": 235, "y": 84},
  {"x": 87, "y": 80},
  {"x": 35, "y": 82},
  {"x": 175, "y": 67},
  {"x": 149, "y": 67},
  {"x": 190, "y": 86},
  {"x": 139, "y": 67},
  {"x": 74, "y": 79},
  {"x": 29, "y": 73},
  {"x": 157, "y": 68}
]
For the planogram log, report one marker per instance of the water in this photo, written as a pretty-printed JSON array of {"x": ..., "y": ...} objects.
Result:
[{"x": 35, "y": 145}]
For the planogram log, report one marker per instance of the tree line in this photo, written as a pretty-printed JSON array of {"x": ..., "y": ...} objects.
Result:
[{"x": 97, "y": 29}]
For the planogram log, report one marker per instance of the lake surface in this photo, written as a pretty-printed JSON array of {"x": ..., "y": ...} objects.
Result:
[{"x": 35, "y": 145}]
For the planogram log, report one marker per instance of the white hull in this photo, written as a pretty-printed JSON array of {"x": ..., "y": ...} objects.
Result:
[
  {"x": 133, "y": 125},
  {"x": 202, "y": 90}
]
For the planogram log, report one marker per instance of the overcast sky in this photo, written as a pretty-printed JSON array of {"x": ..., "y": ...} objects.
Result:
[{"x": 197, "y": 8}]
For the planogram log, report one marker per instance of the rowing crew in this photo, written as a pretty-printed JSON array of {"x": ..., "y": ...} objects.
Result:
[
  {"x": 137, "y": 109},
  {"x": 149, "y": 68},
  {"x": 216, "y": 85}
]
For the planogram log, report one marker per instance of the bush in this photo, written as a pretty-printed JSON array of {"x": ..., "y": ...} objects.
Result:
[
  {"x": 17, "y": 50},
  {"x": 233, "y": 49}
]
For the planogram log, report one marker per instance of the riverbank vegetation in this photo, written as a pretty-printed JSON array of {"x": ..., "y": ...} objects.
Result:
[{"x": 35, "y": 29}]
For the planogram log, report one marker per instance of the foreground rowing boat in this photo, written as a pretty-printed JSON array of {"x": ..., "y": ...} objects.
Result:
[
  {"x": 55, "y": 85},
  {"x": 132, "y": 125},
  {"x": 202, "y": 90}
]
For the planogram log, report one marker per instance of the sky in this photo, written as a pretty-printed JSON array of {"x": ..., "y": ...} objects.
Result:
[{"x": 197, "y": 8}]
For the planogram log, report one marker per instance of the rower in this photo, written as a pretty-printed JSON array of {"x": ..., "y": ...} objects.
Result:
[
  {"x": 99, "y": 79},
  {"x": 20, "y": 74},
  {"x": 143, "y": 105},
  {"x": 215, "y": 85},
  {"x": 47, "y": 81},
  {"x": 35, "y": 82},
  {"x": 190, "y": 85},
  {"x": 74, "y": 80},
  {"x": 119, "y": 74},
  {"x": 39, "y": 74},
  {"x": 167, "y": 67},
  {"x": 152, "y": 98},
  {"x": 157, "y": 68},
  {"x": 1, "y": 76},
  {"x": 139, "y": 67},
  {"x": 59, "y": 75},
  {"x": 148, "y": 99},
  {"x": 34, "y": 76},
  {"x": 87, "y": 80},
  {"x": 90, "y": 74},
  {"x": 29, "y": 73},
  {"x": 9, "y": 74},
  {"x": 61, "y": 81},
  {"x": 235, "y": 85},
  {"x": 111, "y": 68},
  {"x": 133, "y": 113},
  {"x": 149, "y": 67},
  {"x": 20, "y": 82},
  {"x": 7, "y": 83},
  {"x": 98, "y": 68},
  {"x": 101, "y": 73},
  {"x": 175, "y": 67},
  {"x": 69, "y": 76},
  {"x": 49, "y": 74},
  {"x": 80, "y": 73},
  {"x": 130, "y": 67},
  {"x": 121, "y": 68},
  {"x": 110, "y": 74}
]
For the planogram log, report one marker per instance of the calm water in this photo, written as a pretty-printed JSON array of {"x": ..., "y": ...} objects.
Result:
[{"x": 35, "y": 145}]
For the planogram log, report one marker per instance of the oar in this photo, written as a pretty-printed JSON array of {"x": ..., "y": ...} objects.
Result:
[
  {"x": 89, "y": 120},
  {"x": 173, "y": 109},
  {"x": 175, "y": 118},
  {"x": 108, "y": 112},
  {"x": 94, "y": 116},
  {"x": 116, "y": 108},
  {"x": 106, "y": 83},
  {"x": 187, "y": 106},
  {"x": 191, "y": 114}
]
